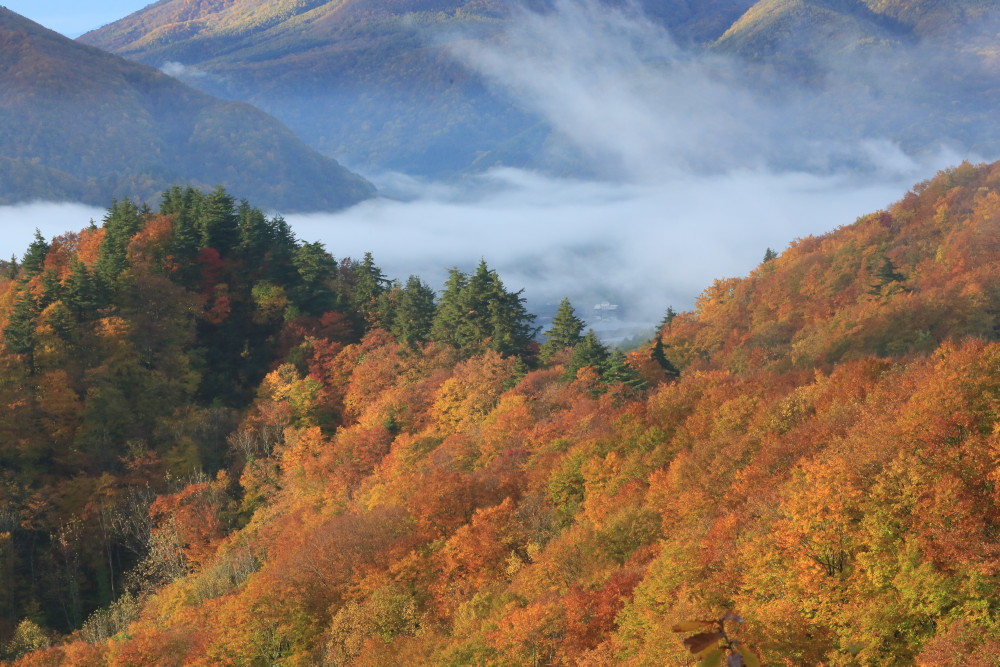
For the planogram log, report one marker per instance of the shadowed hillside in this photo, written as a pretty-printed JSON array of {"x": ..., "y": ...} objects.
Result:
[
  {"x": 83, "y": 125},
  {"x": 392, "y": 85}
]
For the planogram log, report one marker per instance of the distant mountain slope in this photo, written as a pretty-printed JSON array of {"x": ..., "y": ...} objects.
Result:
[
  {"x": 799, "y": 27},
  {"x": 367, "y": 79},
  {"x": 82, "y": 124},
  {"x": 372, "y": 82},
  {"x": 796, "y": 29}
]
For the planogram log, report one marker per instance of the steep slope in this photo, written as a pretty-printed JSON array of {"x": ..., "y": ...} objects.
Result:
[
  {"x": 367, "y": 79},
  {"x": 805, "y": 29},
  {"x": 900, "y": 281},
  {"x": 824, "y": 467},
  {"x": 922, "y": 74},
  {"x": 81, "y": 124},
  {"x": 372, "y": 82}
]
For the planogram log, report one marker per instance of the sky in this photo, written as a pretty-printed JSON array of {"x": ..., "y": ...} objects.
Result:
[
  {"x": 73, "y": 17},
  {"x": 659, "y": 228}
]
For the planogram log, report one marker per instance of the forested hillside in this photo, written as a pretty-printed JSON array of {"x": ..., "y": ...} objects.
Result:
[
  {"x": 83, "y": 125},
  {"x": 402, "y": 85},
  {"x": 285, "y": 459}
]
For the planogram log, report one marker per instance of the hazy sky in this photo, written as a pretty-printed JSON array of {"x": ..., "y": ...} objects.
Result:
[{"x": 73, "y": 17}]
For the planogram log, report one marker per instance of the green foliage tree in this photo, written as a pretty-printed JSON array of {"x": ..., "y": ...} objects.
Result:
[
  {"x": 450, "y": 314},
  {"x": 617, "y": 369},
  {"x": 413, "y": 312},
  {"x": 218, "y": 222},
  {"x": 81, "y": 291},
  {"x": 887, "y": 279},
  {"x": 668, "y": 318},
  {"x": 369, "y": 284},
  {"x": 565, "y": 331},
  {"x": 477, "y": 313},
  {"x": 590, "y": 351},
  {"x": 121, "y": 223},
  {"x": 34, "y": 258},
  {"x": 19, "y": 334},
  {"x": 317, "y": 270},
  {"x": 659, "y": 355}
]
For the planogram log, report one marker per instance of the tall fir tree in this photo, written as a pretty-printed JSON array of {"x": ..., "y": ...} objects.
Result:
[
  {"x": 590, "y": 351},
  {"x": 617, "y": 369},
  {"x": 33, "y": 260},
  {"x": 659, "y": 355},
  {"x": 317, "y": 270},
  {"x": 477, "y": 313},
  {"x": 82, "y": 294},
  {"x": 19, "y": 334},
  {"x": 122, "y": 222},
  {"x": 369, "y": 283},
  {"x": 413, "y": 312},
  {"x": 565, "y": 332},
  {"x": 449, "y": 312},
  {"x": 218, "y": 222}
]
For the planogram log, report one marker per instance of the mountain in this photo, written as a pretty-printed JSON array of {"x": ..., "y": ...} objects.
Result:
[
  {"x": 84, "y": 125},
  {"x": 786, "y": 27},
  {"x": 375, "y": 84},
  {"x": 794, "y": 30},
  {"x": 368, "y": 80},
  {"x": 284, "y": 459}
]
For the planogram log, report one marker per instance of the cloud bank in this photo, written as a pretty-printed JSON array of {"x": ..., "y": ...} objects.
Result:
[
  {"x": 18, "y": 223},
  {"x": 698, "y": 172}
]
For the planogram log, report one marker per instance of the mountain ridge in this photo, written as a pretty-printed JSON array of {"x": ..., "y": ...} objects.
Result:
[
  {"x": 374, "y": 84},
  {"x": 104, "y": 127}
]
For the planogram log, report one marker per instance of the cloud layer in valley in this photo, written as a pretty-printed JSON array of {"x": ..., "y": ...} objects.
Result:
[
  {"x": 696, "y": 173},
  {"x": 18, "y": 223},
  {"x": 644, "y": 247}
]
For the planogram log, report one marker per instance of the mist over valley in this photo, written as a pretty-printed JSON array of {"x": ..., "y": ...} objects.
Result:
[
  {"x": 454, "y": 332},
  {"x": 649, "y": 166}
]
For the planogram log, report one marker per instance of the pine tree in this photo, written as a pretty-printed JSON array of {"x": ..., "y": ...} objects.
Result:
[
  {"x": 281, "y": 247},
  {"x": 181, "y": 204},
  {"x": 590, "y": 351},
  {"x": 317, "y": 270},
  {"x": 81, "y": 292},
  {"x": 19, "y": 334},
  {"x": 218, "y": 223},
  {"x": 564, "y": 333},
  {"x": 450, "y": 313},
  {"x": 668, "y": 319},
  {"x": 121, "y": 223},
  {"x": 254, "y": 236},
  {"x": 51, "y": 289},
  {"x": 659, "y": 355},
  {"x": 617, "y": 369},
  {"x": 510, "y": 329},
  {"x": 414, "y": 312},
  {"x": 887, "y": 279},
  {"x": 769, "y": 254},
  {"x": 369, "y": 284},
  {"x": 34, "y": 258},
  {"x": 477, "y": 313}
]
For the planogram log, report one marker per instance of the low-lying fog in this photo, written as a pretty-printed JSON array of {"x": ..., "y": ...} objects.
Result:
[
  {"x": 694, "y": 185},
  {"x": 644, "y": 247}
]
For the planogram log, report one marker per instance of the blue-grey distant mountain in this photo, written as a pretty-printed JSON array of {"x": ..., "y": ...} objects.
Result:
[
  {"x": 367, "y": 80},
  {"x": 81, "y": 124}
]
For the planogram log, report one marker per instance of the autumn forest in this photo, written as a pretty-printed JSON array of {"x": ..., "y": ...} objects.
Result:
[{"x": 220, "y": 444}]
